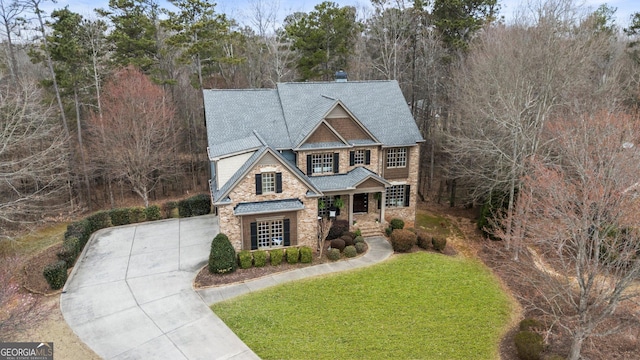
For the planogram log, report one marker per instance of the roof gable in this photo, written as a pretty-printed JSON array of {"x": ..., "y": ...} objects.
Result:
[
  {"x": 265, "y": 155},
  {"x": 347, "y": 125}
]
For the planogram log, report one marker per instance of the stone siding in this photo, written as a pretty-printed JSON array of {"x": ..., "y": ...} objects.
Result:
[
  {"x": 292, "y": 187},
  {"x": 408, "y": 214}
]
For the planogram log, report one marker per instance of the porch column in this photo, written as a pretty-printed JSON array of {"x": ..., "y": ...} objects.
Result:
[
  {"x": 350, "y": 210},
  {"x": 383, "y": 200}
]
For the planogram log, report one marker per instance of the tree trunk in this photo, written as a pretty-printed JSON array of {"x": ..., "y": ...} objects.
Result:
[
  {"x": 81, "y": 146},
  {"x": 576, "y": 346}
]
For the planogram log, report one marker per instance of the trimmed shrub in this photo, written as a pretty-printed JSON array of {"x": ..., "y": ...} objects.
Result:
[
  {"x": 338, "y": 244},
  {"x": 195, "y": 206},
  {"x": 306, "y": 255},
  {"x": 348, "y": 240},
  {"x": 403, "y": 240},
  {"x": 80, "y": 230},
  {"x": 276, "y": 256},
  {"x": 152, "y": 213},
  {"x": 439, "y": 243},
  {"x": 396, "y": 223},
  {"x": 350, "y": 251},
  {"x": 137, "y": 215},
  {"x": 529, "y": 345},
  {"x": 530, "y": 324},
  {"x": 388, "y": 231},
  {"x": 293, "y": 255},
  {"x": 222, "y": 258},
  {"x": 350, "y": 234},
  {"x": 358, "y": 232},
  {"x": 70, "y": 251},
  {"x": 360, "y": 247},
  {"x": 259, "y": 258},
  {"x": 424, "y": 239},
  {"x": 119, "y": 216},
  {"x": 244, "y": 259},
  {"x": 333, "y": 254},
  {"x": 99, "y": 220},
  {"x": 56, "y": 274},
  {"x": 358, "y": 239},
  {"x": 338, "y": 228}
]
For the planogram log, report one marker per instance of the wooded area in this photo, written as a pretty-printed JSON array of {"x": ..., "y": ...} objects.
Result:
[{"x": 95, "y": 110}]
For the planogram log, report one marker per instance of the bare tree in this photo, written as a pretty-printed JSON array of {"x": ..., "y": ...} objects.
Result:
[
  {"x": 324, "y": 225},
  {"x": 33, "y": 154},
  {"x": 11, "y": 21},
  {"x": 133, "y": 140},
  {"x": 515, "y": 78},
  {"x": 576, "y": 223}
]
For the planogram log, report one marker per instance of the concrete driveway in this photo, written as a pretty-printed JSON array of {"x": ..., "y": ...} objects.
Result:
[{"x": 130, "y": 295}]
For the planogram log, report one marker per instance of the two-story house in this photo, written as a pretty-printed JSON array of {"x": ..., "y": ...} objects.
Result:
[{"x": 281, "y": 157}]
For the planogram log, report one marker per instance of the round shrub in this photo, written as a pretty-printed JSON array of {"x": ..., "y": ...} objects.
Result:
[
  {"x": 259, "y": 258},
  {"x": 348, "y": 240},
  {"x": 152, "y": 213},
  {"x": 360, "y": 247},
  {"x": 358, "y": 239},
  {"x": 396, "y": 223},
  {"x": 56, "y": 274},
  {"x": 244, "y": 259},
  {"x": 350, "y": 234},
  {"x": 439, "y": 243},
  {"x": 530, "y": 324},
  {"x": 424, "y": 239},
  {"x": 388, "y": 231},
  {"x": 276, "y": 256},
  {"x": 306, "y": 255},
  {"x": 350, "y": 251},
  {"x": 333, "y": 254},
  {"x": 338, "y": 244},
  {"x": 529, "y": 345},
  {"x": 358, "y": 232},
  {"x": 403, "y": 240},
  {"x": 338, "y": 228},
  {"x": 222, "y": 258},
  {"x": 293, "y": 255}
]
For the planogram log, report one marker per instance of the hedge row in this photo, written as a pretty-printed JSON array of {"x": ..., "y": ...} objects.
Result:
[
  {"x": 79, "y": 232},
  {"x": 259, "y": 258}
]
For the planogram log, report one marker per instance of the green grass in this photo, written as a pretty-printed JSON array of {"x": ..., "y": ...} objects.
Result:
[
  {"x": 34, "y": 242},
  {"x": 415, "y": 306}
]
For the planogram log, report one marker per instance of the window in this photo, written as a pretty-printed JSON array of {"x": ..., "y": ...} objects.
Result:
[
  {"x": 328, "y": 203},
  {"x": 398, "y": 196},
  {"x": 397, "y": 158},
  {"x": 270, "y": 234},
  {"x": 322, "y": 163},
  {"x": 358, "y": 157},
  {"x": 268, "y": 182}
]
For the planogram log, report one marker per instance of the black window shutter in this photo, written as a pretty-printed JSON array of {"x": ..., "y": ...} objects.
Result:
[
  {"x": 254, "y": 235},
  {"x": 367, "y": 157},
  {"x": 380, "y": 201},
  {"x": 258, "y": 184},
  {"x": 407, "y": 194},
  {"x": 278, "y": 182},
  {"x": 309, "y": 169},
  {"x": 336, "y": 163},
  {"x": 337, "y": 209},
  {"x": 287, "y": 233},
  {"x": 352, "y": 158}
]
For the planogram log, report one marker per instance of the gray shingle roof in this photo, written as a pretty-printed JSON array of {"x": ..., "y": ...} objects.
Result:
[
  {"x": 285, "y": 116},
  {"x": 268, "y": 207},
  {"x": 234, "y": 146},
  {"x": 345, "y": 181}
]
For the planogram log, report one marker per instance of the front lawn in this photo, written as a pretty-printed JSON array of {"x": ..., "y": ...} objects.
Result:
[{"x": 414, "y": 306}]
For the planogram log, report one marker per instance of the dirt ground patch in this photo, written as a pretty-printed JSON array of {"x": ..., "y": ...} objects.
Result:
[{"x": 33, "y": 280}]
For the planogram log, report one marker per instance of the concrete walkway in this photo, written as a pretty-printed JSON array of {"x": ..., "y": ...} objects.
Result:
[{"x": 130, "y": 294}]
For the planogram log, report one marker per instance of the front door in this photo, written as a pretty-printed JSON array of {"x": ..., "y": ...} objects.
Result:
[{"x": 360, "y": 203}]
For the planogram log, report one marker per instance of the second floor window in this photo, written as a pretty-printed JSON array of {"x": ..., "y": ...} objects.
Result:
[
  {"x": 396, "y": 158},
  {"x": 268, "y": 183},
  {"x": 322, "y": 163}
]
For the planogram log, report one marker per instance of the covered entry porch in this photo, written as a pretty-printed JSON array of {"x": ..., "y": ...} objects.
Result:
[{"x": 358, "y": 196}]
